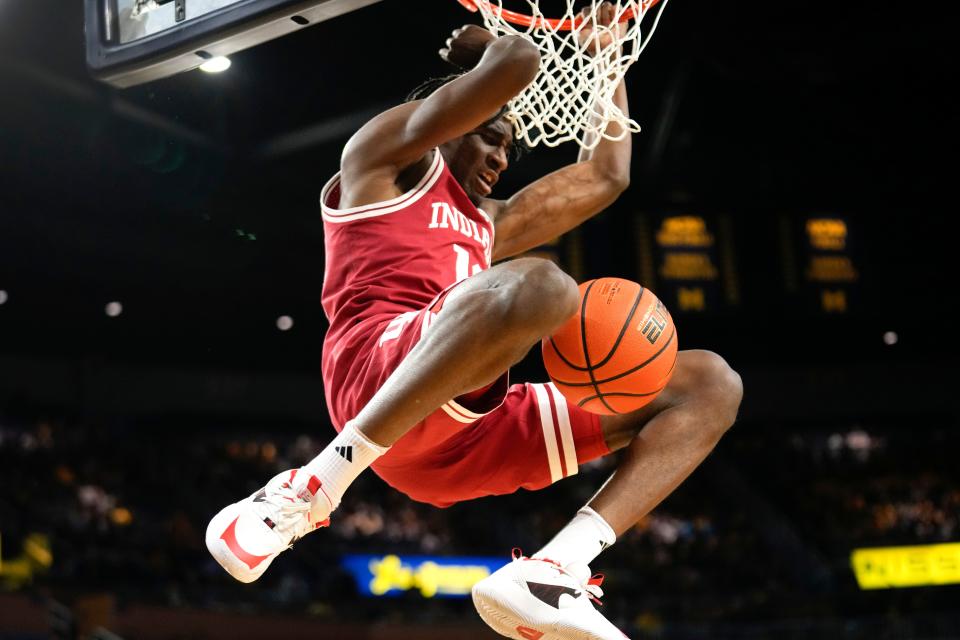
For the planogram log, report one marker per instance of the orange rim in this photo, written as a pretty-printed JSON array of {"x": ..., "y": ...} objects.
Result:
[{"x": 524, "y": 20}]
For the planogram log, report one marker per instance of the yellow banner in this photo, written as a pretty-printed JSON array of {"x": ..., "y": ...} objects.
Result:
[
  {"x": 430, "y": 578},
  {"x": 892, "y": 567}
]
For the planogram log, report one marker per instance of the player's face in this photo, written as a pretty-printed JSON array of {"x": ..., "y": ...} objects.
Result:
[{"x": 477, "y": 159}]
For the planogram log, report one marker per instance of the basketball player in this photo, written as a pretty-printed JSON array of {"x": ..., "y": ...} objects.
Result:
[{"x": 424, "y": 327}]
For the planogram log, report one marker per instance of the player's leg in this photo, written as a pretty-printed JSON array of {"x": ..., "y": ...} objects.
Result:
[
  {"x": 665, "y": 441},
  {"x": 485, "y": 325},
  {"x": 548, "y": 595}
]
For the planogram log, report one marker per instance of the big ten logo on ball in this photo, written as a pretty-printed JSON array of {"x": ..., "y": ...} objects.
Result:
[{"x": 653, "y": 325}]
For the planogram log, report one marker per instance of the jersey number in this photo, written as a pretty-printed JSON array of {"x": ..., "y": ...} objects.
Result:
[{"x": 464, "y": 270}]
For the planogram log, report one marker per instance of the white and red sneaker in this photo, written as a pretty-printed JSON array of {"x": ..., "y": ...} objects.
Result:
[
  {"x": 537, "y": 599},
  {"x": 246, "y": 536}
]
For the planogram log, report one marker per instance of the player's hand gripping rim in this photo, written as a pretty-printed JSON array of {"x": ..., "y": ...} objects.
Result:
[
  {"x": 466, "y": 45},
  {"x": 599, "y": 38}
]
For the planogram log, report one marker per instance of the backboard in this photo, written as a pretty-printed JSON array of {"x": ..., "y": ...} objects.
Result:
[{"x": 130, "y": 42}]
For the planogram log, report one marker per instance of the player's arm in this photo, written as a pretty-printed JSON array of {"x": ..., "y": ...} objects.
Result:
[
  {"x": 565, "y": 198},
  {"x": 560, "y": 201},
  {"x": 499, "y": 69}
]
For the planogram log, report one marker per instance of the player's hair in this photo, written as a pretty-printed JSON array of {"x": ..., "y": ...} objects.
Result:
[{"x": 425, "y": 89}]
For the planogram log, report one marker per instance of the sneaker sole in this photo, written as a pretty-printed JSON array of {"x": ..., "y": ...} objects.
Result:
[{"x": 495, "y": 602}]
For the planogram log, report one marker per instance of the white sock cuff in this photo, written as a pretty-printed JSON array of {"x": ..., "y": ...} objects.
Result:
[
  {"x": 609, "y": 536},
  {"x": 351, "y": 432},
  {"x": 582, "y": 540},
  {"x": 341, "y": 461}
]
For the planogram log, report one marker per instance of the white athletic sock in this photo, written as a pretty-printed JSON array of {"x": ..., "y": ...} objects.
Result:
[
  {"x": 581, "y": 540},
  {"x": 339, "y": 464}
]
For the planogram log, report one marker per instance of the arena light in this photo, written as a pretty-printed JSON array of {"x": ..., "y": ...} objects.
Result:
[
  {"x": 121, "y": 516},
  {"x": 37, "y": 549},
  {"x": 113, "y": 309},
  {"x": 284, "y": 323},
  {"x": 890, "y": 338},
  {"x": 219, "y": 64},
  {"x": 914, "y": 566},
  {"x": 3, "y": 297}
]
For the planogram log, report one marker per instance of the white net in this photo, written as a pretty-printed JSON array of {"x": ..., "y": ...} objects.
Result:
[{"x": 572, "y": 96}]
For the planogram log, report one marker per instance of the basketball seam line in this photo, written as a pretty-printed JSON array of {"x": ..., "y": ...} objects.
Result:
[
  {"x": 613, "y": 349},
  {"x": 633, "y": 395},
  {"x": 556, "y": 350},
  {"x": 623, "y": 330},
  {"x": 583, "y": 340},
  {"x": 618, "y": 394},
  {"x": 594, "y": 383}
]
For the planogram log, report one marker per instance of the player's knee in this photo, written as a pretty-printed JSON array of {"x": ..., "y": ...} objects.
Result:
[
  {"x": 540, "y": 295},
  {"x": 720, "y": 387}
]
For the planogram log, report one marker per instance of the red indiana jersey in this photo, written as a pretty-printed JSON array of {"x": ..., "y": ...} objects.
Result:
[
  {"x": 391, "y": 258},
  {"x": 390, "y": 267}
]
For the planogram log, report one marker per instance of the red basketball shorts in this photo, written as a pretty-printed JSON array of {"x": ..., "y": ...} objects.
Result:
[{"x": 492, "y": 441}]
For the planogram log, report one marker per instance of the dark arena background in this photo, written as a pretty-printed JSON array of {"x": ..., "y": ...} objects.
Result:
[{"x": 161, "y": 262}]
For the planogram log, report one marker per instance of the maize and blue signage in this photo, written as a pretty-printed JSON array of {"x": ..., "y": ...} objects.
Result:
[{"x": 432, "y": 576}]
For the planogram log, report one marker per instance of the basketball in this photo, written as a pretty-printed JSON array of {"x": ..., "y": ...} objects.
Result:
[{"x": 617, "y": 353}]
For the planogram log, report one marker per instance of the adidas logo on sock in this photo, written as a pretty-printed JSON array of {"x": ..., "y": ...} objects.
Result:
[{"x": 345, "y": 452}]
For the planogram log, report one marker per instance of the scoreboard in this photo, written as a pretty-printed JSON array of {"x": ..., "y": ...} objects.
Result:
[
  {"x": 829, "y": 272},
  {"x": 820, "y": 264},
  {"x": 687, "y": 259},
  {"x": 714, "y": 263}
]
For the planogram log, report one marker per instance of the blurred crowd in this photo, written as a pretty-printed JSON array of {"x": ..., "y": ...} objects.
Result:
[
  {"x": 851, "y": 487},
  {"x": 121, "y": 506}
]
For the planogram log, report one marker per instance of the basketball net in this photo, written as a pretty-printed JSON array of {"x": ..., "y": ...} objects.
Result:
[{"x": 572, "y": 96}]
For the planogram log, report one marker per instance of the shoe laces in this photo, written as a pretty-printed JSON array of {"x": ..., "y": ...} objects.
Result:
[
  {"x": 592, "y": 587},
  {"x": 292, "y": 512}
]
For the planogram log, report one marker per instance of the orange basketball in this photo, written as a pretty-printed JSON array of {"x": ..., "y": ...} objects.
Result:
[{"x": 617, "y": 353}]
